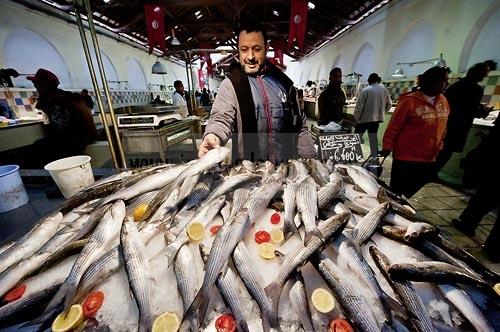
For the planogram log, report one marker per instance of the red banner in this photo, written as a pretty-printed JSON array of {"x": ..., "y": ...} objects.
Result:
[
  {"x": 201, "y": 80},
  {"x": 279, "y": 47},
  {"x": 156, "y": 26},
  {"x": 298, "y": 22}
]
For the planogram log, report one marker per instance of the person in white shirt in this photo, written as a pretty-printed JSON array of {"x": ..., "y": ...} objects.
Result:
[
  {"x": 179, "y": 98},
  {"x": 370, "y": 109}
]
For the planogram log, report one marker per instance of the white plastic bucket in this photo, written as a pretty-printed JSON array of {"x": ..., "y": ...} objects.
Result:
[
  {"x": 71, "y": 174},
  {"x": 12, "y": 191}
]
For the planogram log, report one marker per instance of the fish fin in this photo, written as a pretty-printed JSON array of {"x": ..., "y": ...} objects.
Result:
[
  {"x": 382, "y": 195},
  {"x": 353, "y": 235},
  {"x": 169, "y": 252},
  {"x": 289, "y": 229},
  {"x": 358, "y": 189},
  {"x": 273, "y": 291}
]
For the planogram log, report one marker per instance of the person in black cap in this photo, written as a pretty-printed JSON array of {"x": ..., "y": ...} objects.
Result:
[
  {"x": 71, "y": 126},
  {"x": 373, "y": 102}
]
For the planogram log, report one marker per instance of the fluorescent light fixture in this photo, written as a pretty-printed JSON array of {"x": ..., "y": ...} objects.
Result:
[
  {"x": 158, "y": 68},
  {"x": 198, "y": 14},
  {"x": 275, "y": 13},
  {"x": 310, "y": 5},
  {"x": 106, "y": 1},
  {"x": 157, "y": 9}
]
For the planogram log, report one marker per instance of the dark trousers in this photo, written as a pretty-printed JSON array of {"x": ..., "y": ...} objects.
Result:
[
  {"x": 443, "y": 158},
  {"x": 485, "y": 200},
  {"x": 372, "y": 128},
  {"x": 408, "y": 177}
]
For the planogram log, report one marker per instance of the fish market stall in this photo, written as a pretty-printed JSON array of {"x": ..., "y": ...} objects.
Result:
[{"x": 254, "y": 247}]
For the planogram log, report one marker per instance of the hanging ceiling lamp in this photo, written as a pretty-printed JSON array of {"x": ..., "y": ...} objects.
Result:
[
  {"x": 398, "y": 73},
  {"x": 174, "y": 41},
  {"x": 158, "y": 68}
]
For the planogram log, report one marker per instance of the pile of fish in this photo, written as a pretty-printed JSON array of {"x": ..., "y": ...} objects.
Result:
[{"x": 387, "y": 268}]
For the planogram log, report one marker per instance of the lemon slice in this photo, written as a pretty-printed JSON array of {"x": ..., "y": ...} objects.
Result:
[
  {"x": 266, "y": 250},
  {"x": 195, "y": 231},
  {"x": 139, "y": 211},
  {"x": 69, "y": 321},
  {"x": 166, "y": 322},
  {"x": 322, "y": 300},
  {"x": 277, "y": 235},
  {"x": 497, "y": 288}
]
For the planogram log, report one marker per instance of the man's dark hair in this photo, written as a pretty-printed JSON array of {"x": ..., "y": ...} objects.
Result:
[
  {"x": 478, "y": 71},
  {"x": 492, "y": 64},
  {"x": 85, "y": 91},
  {"x": 177, "y": 84},
  {"x": 251, "y": 26},
  {"x": 374, "y": 78},
  {"x": 335, "y": 70},
  {"x": 432, "y": 75}
]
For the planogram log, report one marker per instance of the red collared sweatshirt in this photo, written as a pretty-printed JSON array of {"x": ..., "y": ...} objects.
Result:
[{"x": 417, "y": 128}]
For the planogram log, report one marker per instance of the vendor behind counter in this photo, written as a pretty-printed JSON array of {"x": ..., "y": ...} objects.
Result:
[{"x": 69, "y": 126}]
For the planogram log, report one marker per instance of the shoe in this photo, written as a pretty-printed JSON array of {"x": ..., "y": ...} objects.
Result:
[{"x": 464, "y": 228}]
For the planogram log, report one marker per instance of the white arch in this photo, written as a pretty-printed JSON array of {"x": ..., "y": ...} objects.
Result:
[
  {"x": 38, "y": 52},
  {"x": 364, "y": 61},
  {"x": 135, "y": 74},
  {"x": 418, "y": 44}
]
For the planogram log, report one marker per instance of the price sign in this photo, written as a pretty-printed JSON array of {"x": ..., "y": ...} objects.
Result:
[{"x": 343, "y": 148}]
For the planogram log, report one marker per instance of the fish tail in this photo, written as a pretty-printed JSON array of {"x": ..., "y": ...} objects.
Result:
[
  {"x": 273, "y": 291},
  {"x": 289, "y": 229},
  {"x": 195, "y": 314}
]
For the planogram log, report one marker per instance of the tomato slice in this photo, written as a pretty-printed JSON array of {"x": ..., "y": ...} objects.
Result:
[
  {"x": 214, "y": 229},
  {"x": 225, "y": 323},
  {"x": 275, "y": 218},
  {"x": 92, "y": 303},
  {"x": 15, "y": 293},
  {"x": 262, "y": 236},
  {"x": 340, "y": 325}
]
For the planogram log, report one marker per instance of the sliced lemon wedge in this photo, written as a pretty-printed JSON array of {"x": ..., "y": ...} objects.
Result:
[
  {"x": 66, "y": 322},
  {"x": 166, "y": 322},
  {"x": 195, "y": 231},
  {"x": 277, "y": 236},
  {"x": 139, "y": 211},
  {"x": 322, "y": 300},
  {"x": 266, "y": 250}
]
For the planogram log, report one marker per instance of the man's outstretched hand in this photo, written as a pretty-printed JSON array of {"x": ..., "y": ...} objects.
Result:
[{"x": 210, "y": 141}]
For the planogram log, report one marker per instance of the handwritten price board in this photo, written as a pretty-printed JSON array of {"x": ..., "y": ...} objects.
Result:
[{"x": 343, "y": 148}]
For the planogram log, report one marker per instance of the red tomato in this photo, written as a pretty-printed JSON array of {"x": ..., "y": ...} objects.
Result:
[
  {"x": 214, "y": 229},
  {"x": 15, "y": 293},
  {"x": 92, "y": 303},
  {"x": 262, "y": 236},
  {"x": 340, "y": 325},
  {"x": 275, "y": 219},
  {"x": 225, "y": 323}
]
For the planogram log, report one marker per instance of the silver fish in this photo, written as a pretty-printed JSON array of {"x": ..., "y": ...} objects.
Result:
[
  {"x": 232, "y": 183},
  {"x": 200, "y": 191},
  {"x": 228, "y": 236},
  {"x": 104, "y": 237},
  {"x": 260, "y": 198},
  {"x": 185, "y": 273},
  {"x": 307, "y": 204},
  {"x": 369, "y": 224},
  {"x": 353, "y": 303},
  {"x": 318, "y": 171},
  {"x": 297, "y": 171},
  {"x": 301, "y": 253},
  {"x": 38, "y": 288},
  {"x": 289, "y": 195},
  {"x": 98, "y": 271},
  {"x": 225, "y": 212},
  {"x": 253, "y": 281},
  {"x": 365, "y": 181},
  {"x": 240, "y": 196},
  {"x": 205, "y": 215},
  {"x": 30, "y": 242},
  {"x": 138, "y": 272},
  {"x": 330, "y": 190},
  {"x": 406, "y": 292},
  {"x": 299, "y": 302},
  {"x": 235, "y": 295},
  {"x": 145, "y": 198},
  {"x": 467, "y": 307}
]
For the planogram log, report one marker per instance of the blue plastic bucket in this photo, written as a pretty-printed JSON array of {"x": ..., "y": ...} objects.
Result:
[{"x": 12, "y": 191}]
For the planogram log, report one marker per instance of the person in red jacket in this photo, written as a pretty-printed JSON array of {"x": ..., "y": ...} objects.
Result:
[{"x": 415, "y": 132}]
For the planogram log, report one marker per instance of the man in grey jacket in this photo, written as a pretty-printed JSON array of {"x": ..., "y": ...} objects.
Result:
[
  {"x": 370, "y": 109},
  {"x": 257, "y": 107}
]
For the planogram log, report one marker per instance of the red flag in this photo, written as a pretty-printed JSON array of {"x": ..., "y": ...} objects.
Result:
[
  {"x": 156, "y": 26},
  {"x": 201, "y": 81},
  {"x": 298, "y": 22},
  {"x": 279, "y": 47}
]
